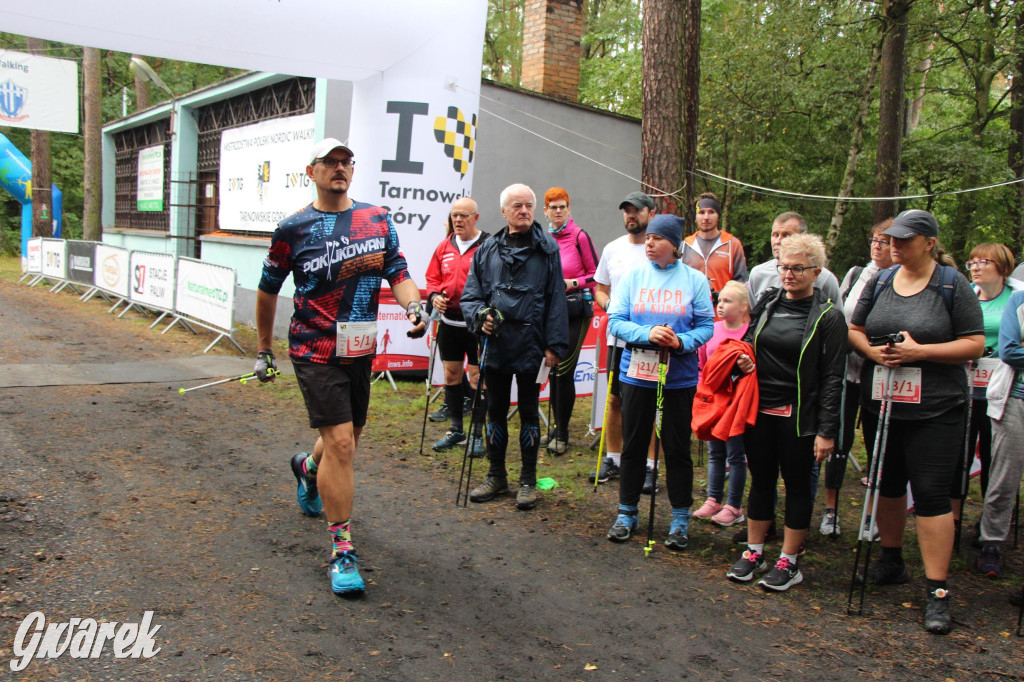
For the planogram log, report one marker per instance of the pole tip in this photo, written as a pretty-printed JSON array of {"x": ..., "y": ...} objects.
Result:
[{"x": 181, "y": 391}]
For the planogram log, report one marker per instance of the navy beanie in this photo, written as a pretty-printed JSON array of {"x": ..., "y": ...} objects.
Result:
[{"x": 668, "y": 226}]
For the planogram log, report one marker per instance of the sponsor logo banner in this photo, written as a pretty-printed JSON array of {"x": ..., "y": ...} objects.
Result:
[
  {"x": 81, "y": 261},
  {"x": 150, "y": 180},
  {"x": 205, "y": 292},
  {"x": 54, "y": 258},
  {"x": 151, "y": 279},
  {"x": 263, "y": 172},
  {"x": 40, "y": 93},
  {"x": 82, "y": 638},
  {"x": 111, "y": 269},
  {"x": 35, "y": 255}
]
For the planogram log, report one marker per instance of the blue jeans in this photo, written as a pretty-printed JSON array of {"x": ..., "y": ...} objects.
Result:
[{"x": 720, "y": 452}]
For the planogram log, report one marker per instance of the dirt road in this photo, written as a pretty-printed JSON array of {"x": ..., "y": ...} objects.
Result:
[{"x": 116, "y": 499}]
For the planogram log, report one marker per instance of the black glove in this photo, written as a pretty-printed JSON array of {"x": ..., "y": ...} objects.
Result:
[
  {"x": 497, "y": 319},
  {"x": 266, "y": 368},
  {"x": 416, "y": 309}
]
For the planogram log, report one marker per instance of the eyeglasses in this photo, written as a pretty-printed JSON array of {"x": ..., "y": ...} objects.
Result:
[
  {"x": 977, "y": 263},
  {"x": 795, "y": 269},
  {"x": 462, "y": 216},
  {"x": 558, "y": 207},
  {"x": 331, "y": 163},
  {"x": 879, "y": 242}
]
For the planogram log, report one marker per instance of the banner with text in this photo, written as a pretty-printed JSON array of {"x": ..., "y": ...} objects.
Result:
[
  {"x": 55, "y": 258},
  {"x": 112, "y": 269},
  {"x": 81, "y": 261},
  {"x": 40, "y": 93},
  {"x": 263, "y": 172},
  {"x": 34, "y": 255},
  {"x": 150, "y": 182},
  {"x": 205, "y": 292},
  {"x": 152, "y": 280}
]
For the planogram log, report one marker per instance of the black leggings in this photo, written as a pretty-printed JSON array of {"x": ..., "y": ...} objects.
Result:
[
  {"x": 638, "y": 410},
  {"x": 773, "y": 446},
  {"x": 499, "y": 392},
  {"x": 923, "y": 452},
  {"x": 563, "y": 379}
]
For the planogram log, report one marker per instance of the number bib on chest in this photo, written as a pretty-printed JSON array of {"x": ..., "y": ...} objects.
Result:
[
  {"x": 905, "y": 384},
  {"x": 983, "y": 372},
  {"x": 643, "y": 364},
  {"x": 356, "y": 339},
  {"x": 784, "y": 411}
]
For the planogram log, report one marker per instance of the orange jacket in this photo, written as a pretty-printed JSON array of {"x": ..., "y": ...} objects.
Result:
[
  {"x": 724, "y": 408},
  {"x": 726, "y": 261}
]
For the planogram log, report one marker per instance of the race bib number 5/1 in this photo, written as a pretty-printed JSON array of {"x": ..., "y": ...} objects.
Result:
[
  {"x": 643, "y": 364},
  {"x": 356, "y": 339},
  {"x": 905, "y": 384}
]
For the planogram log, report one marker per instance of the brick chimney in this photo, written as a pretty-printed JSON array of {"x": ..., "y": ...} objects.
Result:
[{"x": 552, "y": 30}]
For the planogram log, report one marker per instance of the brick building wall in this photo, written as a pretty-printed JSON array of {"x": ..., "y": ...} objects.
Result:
[{"x": 552, "y": 30}]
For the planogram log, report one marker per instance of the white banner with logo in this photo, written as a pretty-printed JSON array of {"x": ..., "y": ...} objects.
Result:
[
  {"x": 35, "y": 255},
  {"x": 205, "y": 292},
  {"x": 112, "y": 269},
  {"x": 152, "y": 280},
  {"x": 40, "y": 93},
  {"x": 263, "y": 172},
  {"x": 55, "y": 258},
  {"x": 150, "y": 181}
]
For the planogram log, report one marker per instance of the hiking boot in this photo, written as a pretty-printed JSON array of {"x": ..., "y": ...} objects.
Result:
[
  {"x": 624, "y": 526},
  {"x": 728, "y": 516},
  {"x": 885, "y": 572},
  {"x": 441, "y": 415},
  {"x": 829, "y": 523},
  {"x": 650, "y": 481},
  {"x": 741, "y": 537},
  {"x": 527, "y": 497},
  {"x": 558, "y": 446},
  {"x": 477, "y": 447},
  {"x": 677, "y": 541},
  {"x": 607, "y": 471},
  {"x": 490, "y": 488},
  {"x": 450, "y": 440},
  {"x": 750, "y": 563},
  {"x": 782, "y": 576},
  {"x": 309, "y": 496},
  {"x": 344, "y": 574},
  {"x": 936, "y": 613},
  {"x": 989, "y": 563},
  {"x": 708, "y": 509}
]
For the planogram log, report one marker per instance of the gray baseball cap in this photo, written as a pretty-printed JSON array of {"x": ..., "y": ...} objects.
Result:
[
  {"x": 913, "y": 222},
  {"x": 638, "y": 200}
]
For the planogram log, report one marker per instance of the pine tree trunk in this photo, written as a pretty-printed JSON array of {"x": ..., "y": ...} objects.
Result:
[
  {"x": 691, "y": 99},
  {"x": 891, "y": 108},
  {"x": 42, "y": 201},
  {"x": 662, "y": 125},
  {"x": 1015, "y": 157},
  {"x": 92, "y": 180}
]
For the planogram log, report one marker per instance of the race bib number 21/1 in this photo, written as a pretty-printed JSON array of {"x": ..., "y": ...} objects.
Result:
[{"x": 356, "y": 339}]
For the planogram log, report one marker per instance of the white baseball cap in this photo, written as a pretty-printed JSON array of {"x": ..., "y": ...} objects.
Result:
[{"x": 325, "y": 147}]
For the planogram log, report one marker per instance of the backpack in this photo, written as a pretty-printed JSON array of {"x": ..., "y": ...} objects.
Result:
[
  {"x": 947, "y": 283},
  {"x": 853, "y": 278}
]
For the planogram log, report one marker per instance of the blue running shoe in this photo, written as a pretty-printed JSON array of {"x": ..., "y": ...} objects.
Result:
[
  {"x": 309, "y": 496},
  {"x": 344, "y": 574}
]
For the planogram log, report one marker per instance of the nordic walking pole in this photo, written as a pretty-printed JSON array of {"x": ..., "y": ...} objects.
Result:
[
  {"x": 430, "y": 377},
  {"x": 874, "y": 478},
  {"x": 607, "y": 402},
  {"x": 965, "y": 479},
  {"x": 241, "y": 378},
  {"x": 465, "y": 477},
  {"x": 835, "y": 465},
  {"x": 658, "y": 409}
]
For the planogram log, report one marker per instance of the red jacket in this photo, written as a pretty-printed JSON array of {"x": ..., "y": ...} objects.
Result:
[
  {"x": 447, "y": 272},
  {"x": 724, "y": 408}
]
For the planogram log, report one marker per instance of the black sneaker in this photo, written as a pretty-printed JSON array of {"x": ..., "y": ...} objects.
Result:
[
  {"x": 782, "y": 576},
  {"x": 677, "y": 541},
  {"x": 608, "y": 470},
  {"x": 449, "y": 440},
  {"x": 989, "y": 563},
  {"x": 885, "y": 572},
  {"x": 750, "y": 563},
  {"x": 650, "y": 481},
  {"x": 490, "y": 488},
  {"x": 441, "y": 415},
  {"x": 936, "y": 613},
  {"x": 741, "y": 537},
  {"x": 624, "y": 526}
]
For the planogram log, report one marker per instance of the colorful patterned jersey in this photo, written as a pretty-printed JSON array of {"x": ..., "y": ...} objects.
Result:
[{"x": 337, "y": 261}]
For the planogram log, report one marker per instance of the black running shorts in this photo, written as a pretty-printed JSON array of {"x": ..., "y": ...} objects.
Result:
[{"x": 335, "y": 394}]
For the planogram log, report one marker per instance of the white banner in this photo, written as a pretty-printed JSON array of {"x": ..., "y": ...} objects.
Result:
[
  {"x": 205, "y": 292},
  {"x": 150, "y": 181},
  {"x": 40, "y": 93},
  {"x": 111, "y": 269},
  {"x": 263, "y": 172},
  {"x": 55, "y": 258},
  {"x": 152, "y": 280},
  {"x": 35, "y": 255}
]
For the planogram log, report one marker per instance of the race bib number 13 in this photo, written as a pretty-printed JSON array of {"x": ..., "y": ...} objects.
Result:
[
  {"x": 356, "y": 339},
  {"x": 983, "y": 372},
  {"x": 905, "y": 384}
]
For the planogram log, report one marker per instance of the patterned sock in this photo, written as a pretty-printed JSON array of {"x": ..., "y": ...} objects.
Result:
[
  {"x": 341, "y": 537},
  {"x": 309, "y": 466}
]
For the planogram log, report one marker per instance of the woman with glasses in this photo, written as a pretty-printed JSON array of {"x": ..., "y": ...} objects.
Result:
[
  {"x": 799, "y": 341},
  {"x": 579, "y": 263},
  {"x": 916, "y": 324},
  {"x": 989, "y": 266}
]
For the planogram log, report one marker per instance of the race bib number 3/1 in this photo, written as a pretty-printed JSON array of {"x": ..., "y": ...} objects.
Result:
[
  {"x": 356, "y": 339},
  {"x": 905, "y": 384},
  {"x": 983, "y": 372},
  {"x": 643, "y": 364}
]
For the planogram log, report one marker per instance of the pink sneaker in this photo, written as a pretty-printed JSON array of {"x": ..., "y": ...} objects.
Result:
[
  {"x": 708, "y": 509},
  {"x": 728, "y": 516}
]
